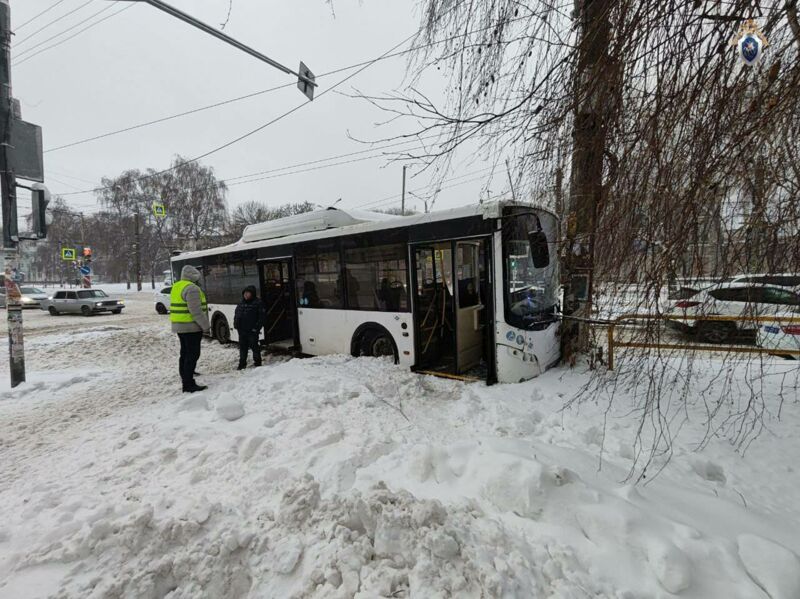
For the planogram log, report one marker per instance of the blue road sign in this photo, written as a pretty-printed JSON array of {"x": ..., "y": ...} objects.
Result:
[{"x": 86, "y": 270}]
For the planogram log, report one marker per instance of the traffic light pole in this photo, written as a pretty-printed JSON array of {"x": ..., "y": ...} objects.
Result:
[
  {"x": 8, "y": 181},
  {"x": 306, "y": 81},
  {"x": 86, "y": 259}
]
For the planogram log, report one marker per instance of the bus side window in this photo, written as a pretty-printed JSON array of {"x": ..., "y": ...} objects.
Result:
[
  {"x": 376, "y": 278},
  {"x": 318, "y": 284}
]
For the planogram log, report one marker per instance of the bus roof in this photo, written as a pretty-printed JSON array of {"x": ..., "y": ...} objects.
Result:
[{"x": 336, "y": 222}]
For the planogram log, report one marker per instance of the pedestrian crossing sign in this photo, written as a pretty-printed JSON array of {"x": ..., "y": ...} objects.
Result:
[
  {"x": 159, "y": 210},
  {"x": 68, "y": 254}
]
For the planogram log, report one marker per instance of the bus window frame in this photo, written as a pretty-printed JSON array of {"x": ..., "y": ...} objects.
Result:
[{"x": 542, "y": 322}]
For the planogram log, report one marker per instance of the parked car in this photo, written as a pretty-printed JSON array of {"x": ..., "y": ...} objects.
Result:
[
  {"x": 162, "y": 300},
  {"x": 781, "y": 337},
  {"x": 780, "y": 279},
  {"x": 682, "y": 293},
  {"x": 82, "y": 301},
  {"x": 31, "y": 297},
  {"x": 732, "y": 299}
]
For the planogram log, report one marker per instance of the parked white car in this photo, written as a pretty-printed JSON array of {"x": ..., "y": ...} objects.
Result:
[
  {"x": 779, "y": 279},
  {"x": 732, "y": 299},
  {"x": 161, "y": 300},
  {"x": 781, "y": 338}
]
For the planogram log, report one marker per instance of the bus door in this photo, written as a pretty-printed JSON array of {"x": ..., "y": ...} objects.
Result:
[
  {"x": 434, "y": 319},
  {"x": 277, "y": 293},
  {"x": 452, "y": 309},
  {"x": 471, "y": 305}
]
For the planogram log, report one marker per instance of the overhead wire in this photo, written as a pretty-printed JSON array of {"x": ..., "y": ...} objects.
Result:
[
  {"x": 67, "y": 30},
  {"x": 372, "y": 204},
  {"x": 258, "y": 129},
  {"x": 33, "y": 18},
  {"x": 53, "y": 22},
  {"x": 331, "y": 158},
  {"x": 251, "y": 95},
  {"x": 307, "y": 170},
  {"x": 68, "y": 176},
  {"x": 435, "y": 188},
  {"x": 77, "y": 33},
  {"x": 363, "y": 66},
  {"x": 292, "y": 169}
]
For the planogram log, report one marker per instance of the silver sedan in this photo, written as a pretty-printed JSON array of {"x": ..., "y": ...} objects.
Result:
[
  {"x": 82, "y": 301},
  {"x": 31, "y": 297}
]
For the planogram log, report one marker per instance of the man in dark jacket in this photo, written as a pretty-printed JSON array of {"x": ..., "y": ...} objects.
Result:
[{"x": 248, "y": 320}]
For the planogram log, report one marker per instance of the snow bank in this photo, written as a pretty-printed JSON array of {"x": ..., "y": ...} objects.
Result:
[
  {"x": 229, "y": 408},
  {"x": 772, "y": 567},
  {"x": 353, "y": 478}
]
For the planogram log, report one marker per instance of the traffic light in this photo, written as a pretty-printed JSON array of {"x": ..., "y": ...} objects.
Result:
[{"x": 40, "y": 198}]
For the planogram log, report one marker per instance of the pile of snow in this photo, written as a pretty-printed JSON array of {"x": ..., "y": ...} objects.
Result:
[{"x": 338, "y": 477}]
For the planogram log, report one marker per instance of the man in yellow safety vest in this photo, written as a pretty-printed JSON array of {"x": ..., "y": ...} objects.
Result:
[{"x": 188, "y": 312}]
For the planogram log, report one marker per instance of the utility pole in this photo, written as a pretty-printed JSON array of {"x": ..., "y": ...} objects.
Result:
[
  {"x": 596, "y": 87},
  {"x": 16, "y": 345},
  {"x": 403, "y": 201},
  {"x": 137, "y": 247}
]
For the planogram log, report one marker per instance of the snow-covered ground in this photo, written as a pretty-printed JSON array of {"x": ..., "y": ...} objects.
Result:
[{"x": 341, "y": 477}]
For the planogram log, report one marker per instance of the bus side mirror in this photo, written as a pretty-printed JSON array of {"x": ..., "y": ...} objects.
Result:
[{"x": 540, "y": 251}]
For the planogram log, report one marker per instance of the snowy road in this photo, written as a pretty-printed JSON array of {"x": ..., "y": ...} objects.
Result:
[{"x": 341, "y": 477}]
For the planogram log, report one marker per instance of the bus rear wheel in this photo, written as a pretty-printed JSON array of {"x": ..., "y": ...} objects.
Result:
[{"x": 222, "y": 332}]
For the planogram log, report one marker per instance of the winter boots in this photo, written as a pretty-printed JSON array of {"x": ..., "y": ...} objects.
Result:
[
  {"x": 243, "y": 366},
  {"x": 194, "y": 388}
]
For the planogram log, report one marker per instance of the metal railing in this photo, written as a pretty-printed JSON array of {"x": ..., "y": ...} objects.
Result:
[{"x": 621, "y": 320}]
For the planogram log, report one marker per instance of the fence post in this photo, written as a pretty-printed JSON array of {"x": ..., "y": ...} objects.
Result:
[{"x": 611, "y": 346}]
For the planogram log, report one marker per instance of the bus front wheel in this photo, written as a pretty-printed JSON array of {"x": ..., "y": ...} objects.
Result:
[
  {"x": 381, "y": 346},
  {"x": 222, "y": 332},
  {"x": 376, "y": 342}
]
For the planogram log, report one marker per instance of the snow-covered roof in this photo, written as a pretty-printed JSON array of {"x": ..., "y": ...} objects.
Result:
[
  {"x": 316, "y": 220},
  {"x": 343, "y": 222}
]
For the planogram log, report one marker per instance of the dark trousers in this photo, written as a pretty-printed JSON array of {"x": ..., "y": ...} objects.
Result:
[
  {"x": 248, "y": 340},
  {"x": 190, "y": 354}
]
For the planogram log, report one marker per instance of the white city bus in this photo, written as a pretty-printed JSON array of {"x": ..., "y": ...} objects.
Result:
[{"x": 471, "y": 292}]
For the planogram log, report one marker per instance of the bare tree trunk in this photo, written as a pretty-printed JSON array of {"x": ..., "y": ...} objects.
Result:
[{"x": 586, "y": 184}]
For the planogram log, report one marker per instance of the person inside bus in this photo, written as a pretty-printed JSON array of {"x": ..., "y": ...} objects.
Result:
[
  {"x": 388, "y": 297},
  {"x": 310, "y": 297},
  {"x": 469, "y": 297},
  {"x": 248, "y": 320},
  {"x": 352, "y": 289},
  {"x": 382, "y": 295}
]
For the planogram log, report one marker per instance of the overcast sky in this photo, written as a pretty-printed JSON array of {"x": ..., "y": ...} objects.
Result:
[{"x": 143, "y": 64}]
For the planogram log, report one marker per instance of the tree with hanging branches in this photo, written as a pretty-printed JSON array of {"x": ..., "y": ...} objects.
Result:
[{"x": 636, "y": 120}]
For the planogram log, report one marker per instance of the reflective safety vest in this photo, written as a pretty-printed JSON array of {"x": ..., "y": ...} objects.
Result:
[{"x": 178, "y": 308}]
